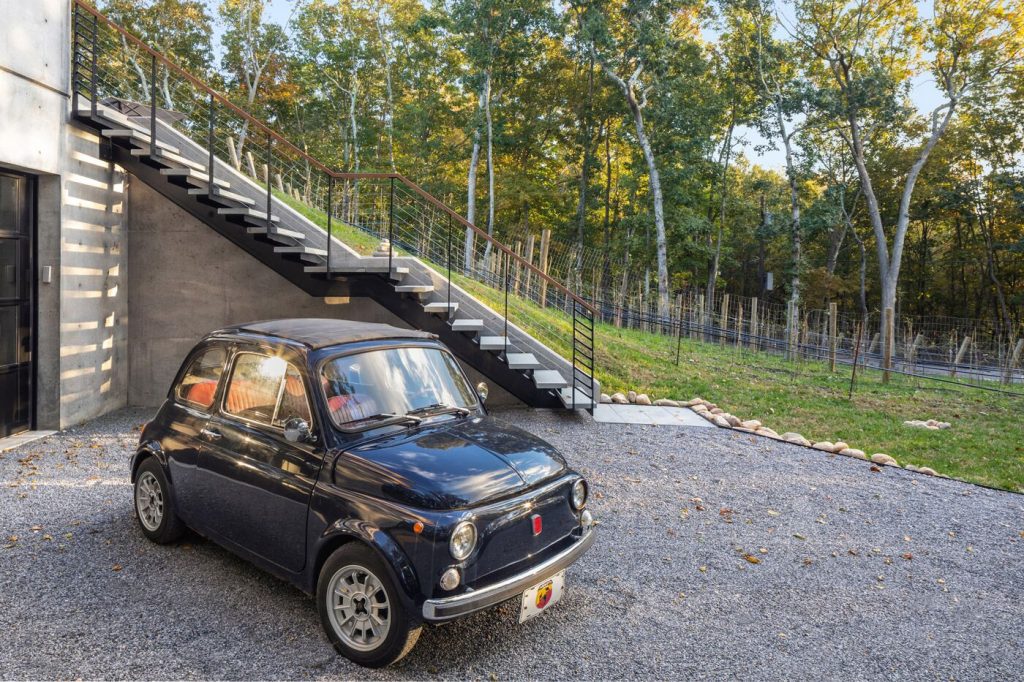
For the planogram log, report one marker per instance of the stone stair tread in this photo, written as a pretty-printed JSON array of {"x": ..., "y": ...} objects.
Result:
[
  {"x": 137, "y": 137},
  {"x": 493, "y": 342},
  {"x": 414, "y": 288},
  {"x": 522, "y": 361},
  {"x": 441, "y": 307},
  {"x": 222, "y": 194},
  {"x": 165, "y": 157},
  {"x": 549, "y": 378},
  {"x": 467, "y": 324},
  {"x": 300, "y": 248},
  {"x": 249, "y": 213},
  {"x": 193, "y": 175},
  {"x": 276, "y": 232}
]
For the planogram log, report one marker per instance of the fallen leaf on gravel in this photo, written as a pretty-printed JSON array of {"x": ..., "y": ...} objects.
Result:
[
  {"x": 941, "y": 581},
  {"x": 751, "y": 559},
  {"x": 853, "y": 552},
  {"x": 36, "y": 528},
  {"x": 117, "y": 567},
  {"x": 47, "y": 536},
  {"x": 808, "y": 562},
  {"x": 908, "y": 556},
  {"x": 703, "y": 569},
  {"x": 888, "y": 561},
  {"x": 798, "y": 536},
  {"x": 906, "y": 538},
  {"x": 12, "y": 538},
  {"x": 763, "y": 550},
  {"x": 874, "y": 468},
  {"x": 67, "y": 536},
  {"x": 772, "y": 512}
]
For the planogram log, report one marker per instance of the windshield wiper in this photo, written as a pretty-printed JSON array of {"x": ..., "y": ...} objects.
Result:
[
  {"x": 439, "y": 408},
  {"x": 382, "y": 419}
]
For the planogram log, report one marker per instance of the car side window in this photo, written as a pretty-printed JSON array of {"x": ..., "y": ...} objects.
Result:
[
  {"x": 199, "y": 385},
  {"x": 267, "y": 390}
]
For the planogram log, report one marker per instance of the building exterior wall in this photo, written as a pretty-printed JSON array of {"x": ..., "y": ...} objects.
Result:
[
  {"x": 81, "y": 360},
  {"x": 135, "y": 281},
  {"x": 186, "y": 280}
]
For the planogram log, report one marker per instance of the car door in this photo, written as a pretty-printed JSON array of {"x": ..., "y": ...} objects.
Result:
[
  {"x": 185, "y": 417},
  {"x": 257, "y": 483}
]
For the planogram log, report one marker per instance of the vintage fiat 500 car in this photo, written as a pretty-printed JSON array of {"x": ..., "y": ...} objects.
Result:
[{"x": 356, "y": 461}]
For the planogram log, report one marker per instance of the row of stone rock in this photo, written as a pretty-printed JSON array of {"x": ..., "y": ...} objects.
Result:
[{"x": 719, "y": 417}]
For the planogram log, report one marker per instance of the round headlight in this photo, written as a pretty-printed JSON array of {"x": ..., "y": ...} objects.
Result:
[
  {"x": 463, "y": 540},
  {"x": 579, "y": 494}
]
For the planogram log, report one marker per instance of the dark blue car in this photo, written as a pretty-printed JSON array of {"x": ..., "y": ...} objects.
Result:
[{"x": 356, "y": 461}]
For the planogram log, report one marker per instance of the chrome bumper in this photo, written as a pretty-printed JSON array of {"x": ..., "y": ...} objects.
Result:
[{"x": 436, "y": 610}]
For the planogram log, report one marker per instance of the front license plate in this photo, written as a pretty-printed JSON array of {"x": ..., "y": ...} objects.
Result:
[{"x": 542, "y": 597}]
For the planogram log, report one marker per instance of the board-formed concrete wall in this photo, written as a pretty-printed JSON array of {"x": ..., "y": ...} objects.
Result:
[
  {"x": 81, "y": 359},
  {"x": 185, "y": 280}
]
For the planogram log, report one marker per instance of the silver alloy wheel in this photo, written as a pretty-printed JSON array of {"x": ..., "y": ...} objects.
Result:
[
  {"x": 358, "y": 608},
  {"x": 149, "y": 501}
]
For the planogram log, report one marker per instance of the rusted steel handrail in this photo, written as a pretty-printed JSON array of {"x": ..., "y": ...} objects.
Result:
[{"x": 281, "y": 140}]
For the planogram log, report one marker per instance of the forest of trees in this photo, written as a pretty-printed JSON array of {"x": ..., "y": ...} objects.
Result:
[{"x": 632, "y": 128}]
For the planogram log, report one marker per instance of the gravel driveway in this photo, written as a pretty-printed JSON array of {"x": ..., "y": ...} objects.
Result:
[{"x": 721, "y": 555}]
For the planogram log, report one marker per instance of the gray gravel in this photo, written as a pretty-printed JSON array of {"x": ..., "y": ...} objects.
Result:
[{"x": 861, "y": 574}]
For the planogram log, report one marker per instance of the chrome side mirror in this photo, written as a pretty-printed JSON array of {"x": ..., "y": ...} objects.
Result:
[
  {"x": 296, "y": 430},
  {"x": 482, "y": 390}
]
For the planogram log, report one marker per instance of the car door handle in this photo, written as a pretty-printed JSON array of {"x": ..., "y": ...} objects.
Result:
[{"x": 211, "y": 434}]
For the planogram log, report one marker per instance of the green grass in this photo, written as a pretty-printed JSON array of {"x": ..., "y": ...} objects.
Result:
[
  {"x": 985, "y": 444},
  {"x": 361, "y": 242}
]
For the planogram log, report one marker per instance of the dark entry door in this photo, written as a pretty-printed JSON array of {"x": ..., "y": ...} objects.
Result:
[{"x": 16, "y": 294}]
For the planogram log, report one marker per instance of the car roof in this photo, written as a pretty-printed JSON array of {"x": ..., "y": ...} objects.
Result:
[{"x": 315, "y": 332}]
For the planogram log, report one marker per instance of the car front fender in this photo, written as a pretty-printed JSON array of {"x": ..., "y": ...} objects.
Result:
[{"x": 394, "y": 557}]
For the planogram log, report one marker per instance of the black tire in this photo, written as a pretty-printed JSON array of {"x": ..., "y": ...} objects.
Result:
[
  {"x": 170, "y": 528},
  {"x": 402, "y": 632}
]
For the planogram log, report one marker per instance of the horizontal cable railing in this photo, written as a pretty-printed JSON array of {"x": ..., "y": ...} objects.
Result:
[{"x": 191, "y": 123}]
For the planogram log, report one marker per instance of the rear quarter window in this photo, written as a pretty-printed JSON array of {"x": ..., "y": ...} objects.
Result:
[{"x": 199, "y": 384}]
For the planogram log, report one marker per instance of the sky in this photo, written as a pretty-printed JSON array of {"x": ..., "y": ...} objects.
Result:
[{"x": 925, "y": 95}]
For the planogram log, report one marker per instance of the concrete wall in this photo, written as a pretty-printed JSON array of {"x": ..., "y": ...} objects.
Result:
[
  {"x": 81, "y": 364},
  {"x": 186, "y": 280}
]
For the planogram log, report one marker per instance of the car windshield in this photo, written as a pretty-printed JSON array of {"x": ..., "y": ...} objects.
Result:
[{"x": 374, "y": 385}]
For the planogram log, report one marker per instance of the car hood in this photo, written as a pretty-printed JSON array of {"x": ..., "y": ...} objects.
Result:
[{"x": 449, "y": 463}]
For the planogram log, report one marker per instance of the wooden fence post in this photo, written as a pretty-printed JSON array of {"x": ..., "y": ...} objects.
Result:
[
  {"x": 753, "y": 325},
  {"x": 528, "y": 255},
  {"x": 739, "y": 325},
  {"x": 251, "y": 162},
  {"x": 1014, "y": 359},
  {"x": 890, "y": 328},
  {"x": 545, "y": 243},
  {"x": 233, "y": 153},
  {"x": 912, "y": 353},
  {"x": 832, "y": 314},
  {"x": 723, "y": 320},
  {"x": 701, "y": 315},
  {"x": 960, "y": 356}
]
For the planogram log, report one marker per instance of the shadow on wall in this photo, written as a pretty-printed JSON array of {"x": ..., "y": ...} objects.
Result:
[{"x": 93, "y": 324}]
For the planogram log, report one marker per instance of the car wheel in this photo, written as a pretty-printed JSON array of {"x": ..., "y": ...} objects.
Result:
[
  {"x": 154, "y": 506},
  {"x": 360, "y": 609}
]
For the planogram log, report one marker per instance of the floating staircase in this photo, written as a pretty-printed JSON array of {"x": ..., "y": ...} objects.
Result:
[{"x": 414, "y": 280}]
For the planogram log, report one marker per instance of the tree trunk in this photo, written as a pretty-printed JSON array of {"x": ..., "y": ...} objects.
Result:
[
  {"x": 636, "y": 107},
  {"x": 716, "y": 258},
  {"x": 474, "y": 162}
]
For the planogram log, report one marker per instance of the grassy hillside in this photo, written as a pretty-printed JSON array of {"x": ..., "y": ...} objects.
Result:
[{"x": 985, "y": 444}]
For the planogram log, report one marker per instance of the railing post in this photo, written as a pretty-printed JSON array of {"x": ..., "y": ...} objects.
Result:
[
  {"x": 505, "y": 334},
  {"x": 270, "y": 193},
  {"x": 330, "y": 202},
  {"x": 75, "y": 75},
  {"x": 391, "y": 229},
  {"x": 209, "y": 142},
  {"x": 572, "y": 387},
  {"x": 152, "y": 106},
  {"x": 93, "y": 87},
  {"x": 449, "y": 308}
]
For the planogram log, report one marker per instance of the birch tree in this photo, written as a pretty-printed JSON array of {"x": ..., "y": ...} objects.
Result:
[
  {"x": 250, "y": 47},
  {"x": 865, "y": 55}
]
